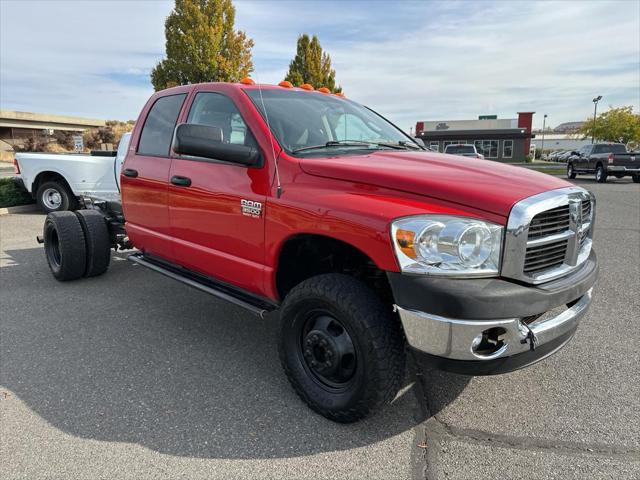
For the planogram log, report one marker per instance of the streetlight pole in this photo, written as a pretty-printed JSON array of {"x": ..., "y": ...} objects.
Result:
[
  {"x": 544, "y": 122},
  {"x": 595, "y": 110}
]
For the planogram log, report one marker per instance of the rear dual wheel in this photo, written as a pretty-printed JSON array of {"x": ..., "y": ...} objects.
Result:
[{"x": 76, "y": 244}]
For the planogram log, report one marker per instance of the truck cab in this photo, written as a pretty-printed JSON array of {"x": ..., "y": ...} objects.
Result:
[{"x": 304, "y": 202}]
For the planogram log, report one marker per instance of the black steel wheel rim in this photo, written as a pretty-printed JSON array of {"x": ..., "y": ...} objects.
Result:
[{"x": 327, "y": 351}]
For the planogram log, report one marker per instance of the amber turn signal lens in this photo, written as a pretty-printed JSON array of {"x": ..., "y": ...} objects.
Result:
[
  {"x": 324, "y": 90},
  {"x": 306, "y": 86},
  {"x": 405, "y": 240},
  {"x": 247, "y": 81},
  {"x": 285, "y": 84}
]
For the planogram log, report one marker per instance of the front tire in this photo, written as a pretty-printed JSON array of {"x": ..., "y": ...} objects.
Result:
[
  {"x": 54, "y": 196},
  {"x": 340, "y": 347},
  {"x": 636, "y": 178},
  {"x": 601, "y": 174},
  {"x": 571, "y": 173}
]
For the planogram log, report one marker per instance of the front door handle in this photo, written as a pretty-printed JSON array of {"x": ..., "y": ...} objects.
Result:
[
  {"x": 181, "y": 181},
  {"x": 130, "y": 172}
]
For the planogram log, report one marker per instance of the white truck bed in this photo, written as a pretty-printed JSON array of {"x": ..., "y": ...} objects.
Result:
[{"x": 93, "y": 176}]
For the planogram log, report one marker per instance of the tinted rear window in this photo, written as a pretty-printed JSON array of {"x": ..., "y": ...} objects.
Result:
[
  {"x": 157, "y": 132},
  {"x": 457, "y": 149},
  {"x": 611, "y": 148}
]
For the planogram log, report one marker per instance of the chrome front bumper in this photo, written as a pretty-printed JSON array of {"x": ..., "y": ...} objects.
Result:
[{"x": 456, "y": 339}]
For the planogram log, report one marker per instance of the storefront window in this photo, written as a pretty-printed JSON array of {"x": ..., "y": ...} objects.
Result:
[{"x": 507, "y": 149}]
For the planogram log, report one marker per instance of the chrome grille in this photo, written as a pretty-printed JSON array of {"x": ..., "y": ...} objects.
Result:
[
  {"x": 548, "y": 235},
  {"x": 546, "y": 256},
  {"x": 547, "y": 223}
]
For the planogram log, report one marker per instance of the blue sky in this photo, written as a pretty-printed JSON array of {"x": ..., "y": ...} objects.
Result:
[{"x": 409, "y": 60}]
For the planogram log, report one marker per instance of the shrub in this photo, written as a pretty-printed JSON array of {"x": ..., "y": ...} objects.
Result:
[{"x": 11, "y": 195}]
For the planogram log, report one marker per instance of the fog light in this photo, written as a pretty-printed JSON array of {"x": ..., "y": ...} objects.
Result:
[{"x": 489, "y": 344}]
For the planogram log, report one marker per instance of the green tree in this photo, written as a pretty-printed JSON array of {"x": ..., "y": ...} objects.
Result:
[
  {"x": 312, "y": 65},
  {"x": 614, "y": 125},
  {"x": 202, "y": 45}
]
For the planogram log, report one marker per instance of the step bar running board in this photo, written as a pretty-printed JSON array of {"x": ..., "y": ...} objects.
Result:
[{"x": 258, "y": 305}]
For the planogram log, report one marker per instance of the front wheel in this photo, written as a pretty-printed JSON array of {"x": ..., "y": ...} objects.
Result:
[
  {"x": 636, "y": 178},
  {"x": 571, "y": 173},
  {"x": 341, "y": 348},
  {"x": 601, "y": 174}
]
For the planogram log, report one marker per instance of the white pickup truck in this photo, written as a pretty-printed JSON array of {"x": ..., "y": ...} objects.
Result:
[{"x": 58, "y": 181}]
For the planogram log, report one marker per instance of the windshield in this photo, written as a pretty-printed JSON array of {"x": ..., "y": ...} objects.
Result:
[
  {"x": 460, "y": 149},
  {"x": 302, "y": 121}
]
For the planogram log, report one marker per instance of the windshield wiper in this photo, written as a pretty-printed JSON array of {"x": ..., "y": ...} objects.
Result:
[
  {"x": 351, "y": 143},
  {"x": 401, "y": 145}
]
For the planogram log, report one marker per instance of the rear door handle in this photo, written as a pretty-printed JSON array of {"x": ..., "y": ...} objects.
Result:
[
  {"x": 181, "y": 181},
  {"x": 130, "y": 172}
]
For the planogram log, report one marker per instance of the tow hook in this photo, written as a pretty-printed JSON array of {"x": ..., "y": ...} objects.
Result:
[{"x": 39, "y": 239}]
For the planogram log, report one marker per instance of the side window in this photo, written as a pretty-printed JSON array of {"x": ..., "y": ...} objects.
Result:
[
  {"x": 216, "y": 110},
  {"x": 157, "y": 132}
]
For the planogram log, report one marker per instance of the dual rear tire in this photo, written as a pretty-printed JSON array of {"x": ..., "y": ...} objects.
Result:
[{"x": 76, "y": 244}]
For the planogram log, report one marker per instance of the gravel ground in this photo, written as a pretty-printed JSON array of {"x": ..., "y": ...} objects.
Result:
[{"x": 131, "y": 375}]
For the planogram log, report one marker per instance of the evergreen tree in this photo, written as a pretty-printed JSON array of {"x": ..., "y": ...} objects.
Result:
[{"x": 312, "y": 65}]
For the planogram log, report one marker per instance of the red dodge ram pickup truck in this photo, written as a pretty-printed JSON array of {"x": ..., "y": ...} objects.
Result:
[{"x": 290, "y": 199}]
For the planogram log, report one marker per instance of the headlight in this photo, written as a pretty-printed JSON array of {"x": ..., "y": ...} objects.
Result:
[{"x": 447, "y": 245}]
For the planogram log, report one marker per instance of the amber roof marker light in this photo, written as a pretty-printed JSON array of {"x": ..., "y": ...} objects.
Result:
[
  {"x": 306, "y": 86},
  {"x": 339, "y": 94},
  {"x": 285, "y": 84},
  {"x": 247, "y": 81},
  {"x": 324, "y": 90}
]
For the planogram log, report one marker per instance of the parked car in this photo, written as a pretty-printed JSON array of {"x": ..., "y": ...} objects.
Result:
[
  {"x": 464, "y": 150},
  {"x": 564, "y": 156},
  {"x": 604, "y": 159},
  {"x": 59, "y": 181},
  {"x": 261, "y": 195},
  {"x": 553, "y": 156}
]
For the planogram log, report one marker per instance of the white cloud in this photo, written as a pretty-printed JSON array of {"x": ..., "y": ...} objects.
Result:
[{"x": 409, "y": 60}]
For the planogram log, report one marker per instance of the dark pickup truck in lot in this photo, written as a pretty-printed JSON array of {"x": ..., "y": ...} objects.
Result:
[
  {"x": 604, "y": 159},
  {"x": 304, "y": 202}
]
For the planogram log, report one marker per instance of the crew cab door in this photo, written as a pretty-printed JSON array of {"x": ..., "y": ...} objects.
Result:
[
  {"x": 216, "y": 208},
  {"x": 145, "y": 175},
  {"x": 582, "y": 160}
]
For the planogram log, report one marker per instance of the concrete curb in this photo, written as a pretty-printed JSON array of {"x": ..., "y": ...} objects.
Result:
[{"x": 31, "y": 208}]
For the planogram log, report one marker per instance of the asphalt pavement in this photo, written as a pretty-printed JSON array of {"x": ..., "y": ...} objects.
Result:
[{"x": 131, "y": 375}]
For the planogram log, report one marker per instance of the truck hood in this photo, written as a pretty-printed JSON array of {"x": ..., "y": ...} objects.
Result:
[{"x": 481, "y": 184}]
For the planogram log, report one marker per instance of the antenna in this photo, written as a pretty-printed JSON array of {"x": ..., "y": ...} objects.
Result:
[{"x": 273, "y": 150}]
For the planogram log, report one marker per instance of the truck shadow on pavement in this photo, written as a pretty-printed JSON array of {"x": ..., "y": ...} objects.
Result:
[{"x": 132, "y": 356}]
